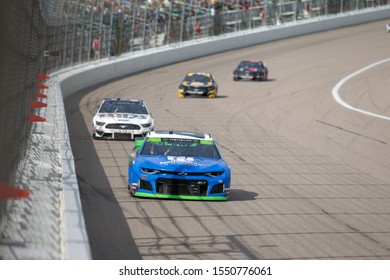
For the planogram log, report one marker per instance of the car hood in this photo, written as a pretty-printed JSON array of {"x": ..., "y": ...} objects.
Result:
[
  {"x": 181, "y": 163},
  {"x": 250, "y": 69},
  {"x": 122, "y": 118},
  {"x": 197, "y": 84}
]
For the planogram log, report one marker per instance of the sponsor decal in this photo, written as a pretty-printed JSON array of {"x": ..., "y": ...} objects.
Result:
[
  {"x": 155, "y": 140},
  {"x": 171, "y": 160},
  {"x": 197, "y": 84}
]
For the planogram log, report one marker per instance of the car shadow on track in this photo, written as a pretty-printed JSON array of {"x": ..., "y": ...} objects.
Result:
[
  {"x": 197, "y": 98},
  {"x": 253, "y": 81},
  {"x": 241, "y": 195}
]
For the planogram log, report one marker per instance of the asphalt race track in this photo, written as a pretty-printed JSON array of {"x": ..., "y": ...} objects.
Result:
[{"x": 310, "y": 177}]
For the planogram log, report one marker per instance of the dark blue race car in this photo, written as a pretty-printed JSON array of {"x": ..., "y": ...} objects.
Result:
[
  {"x": 178, "y": 165},
  {"x": 251, "y": 70}
]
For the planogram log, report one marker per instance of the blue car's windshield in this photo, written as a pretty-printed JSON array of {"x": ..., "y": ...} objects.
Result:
[{"x": 180, "y": 147}]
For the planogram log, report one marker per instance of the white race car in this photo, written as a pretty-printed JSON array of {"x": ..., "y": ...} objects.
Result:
[{"x": 121, "y": 118}]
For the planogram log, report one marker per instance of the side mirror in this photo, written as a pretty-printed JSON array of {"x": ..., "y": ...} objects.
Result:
[{"x": 138, "y": 143}]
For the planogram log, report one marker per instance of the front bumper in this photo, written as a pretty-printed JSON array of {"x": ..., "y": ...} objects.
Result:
[
  {"x": 180, "y": 187},
  {"x": 200, "y": 92},
  {"x": 248, "y": 75},
  {"x": 180, "y": 197},
  {"x": 102, "y": 132}
]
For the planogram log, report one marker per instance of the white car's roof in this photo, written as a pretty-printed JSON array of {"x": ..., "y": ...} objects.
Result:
[{"x": 179, "y": 134}]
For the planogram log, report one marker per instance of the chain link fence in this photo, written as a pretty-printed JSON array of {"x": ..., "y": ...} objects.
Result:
[
  {"x": 85, "y": 30},
  {"x": 43, "y": 36},
  {"x": 21, "y": 46}
]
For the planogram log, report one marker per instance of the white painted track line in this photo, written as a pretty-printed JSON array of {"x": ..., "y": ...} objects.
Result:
[{"x": 336, "y": 96}]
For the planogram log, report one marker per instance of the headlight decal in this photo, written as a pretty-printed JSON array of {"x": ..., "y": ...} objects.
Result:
[
  {"x": 146, "y": 124},
  {"x": 149, "y": 171},
  {"x": 214, "y": 174}
]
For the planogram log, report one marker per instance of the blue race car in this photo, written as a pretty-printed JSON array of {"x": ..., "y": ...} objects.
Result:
[{"x": 178, "y": 165}]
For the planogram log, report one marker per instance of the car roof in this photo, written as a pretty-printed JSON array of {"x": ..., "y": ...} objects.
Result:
[
  {"x": 179, "y": 134},
  {"x": 124, "y": 100},
  {"x": 251, "y": 60},
  {"x": 199, "y": 73}
]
